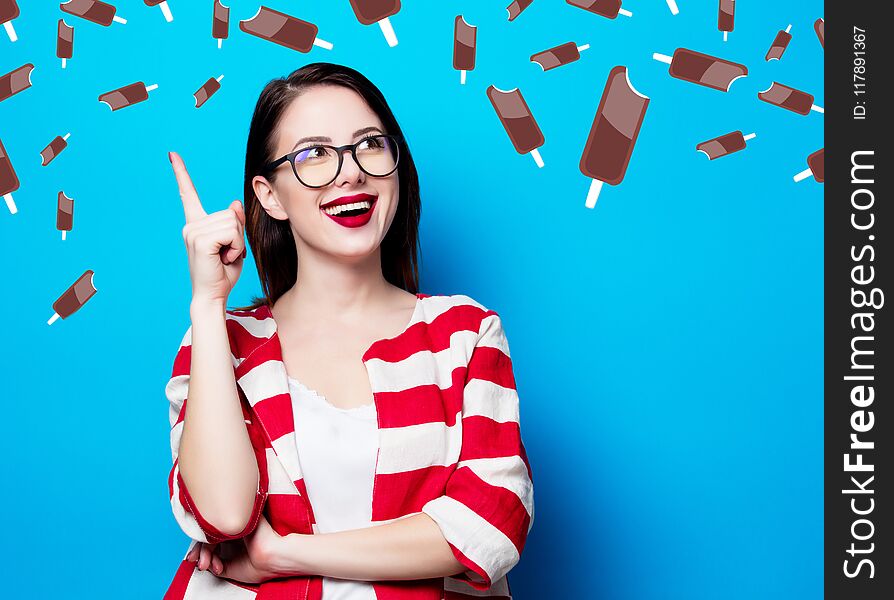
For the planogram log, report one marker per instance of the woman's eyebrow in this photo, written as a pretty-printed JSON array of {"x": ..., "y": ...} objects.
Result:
[{"x": 319, "y": 138}]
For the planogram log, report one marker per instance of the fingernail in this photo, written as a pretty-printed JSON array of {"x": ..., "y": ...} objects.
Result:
[{"x": 170, "y": 158}]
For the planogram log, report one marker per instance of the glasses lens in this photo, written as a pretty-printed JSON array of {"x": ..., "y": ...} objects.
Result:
[
  {"x": 377, "y": 155},
  {"x": 316, "y": 165}
]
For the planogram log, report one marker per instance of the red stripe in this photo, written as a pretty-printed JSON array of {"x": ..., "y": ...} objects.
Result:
[
  {"x": 433, "y": 336},
  {"x": 398, "y": 494},
  {"x": 499, "y": 506},
  {"x": 421, "y": 404},
  {"x": 491, "y": 364},
  {"x": 177, "y": 589}
]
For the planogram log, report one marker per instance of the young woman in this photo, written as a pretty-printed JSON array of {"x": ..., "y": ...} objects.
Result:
[{"x": 345, "y": 436}]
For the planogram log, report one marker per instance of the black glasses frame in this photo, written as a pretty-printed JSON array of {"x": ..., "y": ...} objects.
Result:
[{"x": 340, "y": 152}]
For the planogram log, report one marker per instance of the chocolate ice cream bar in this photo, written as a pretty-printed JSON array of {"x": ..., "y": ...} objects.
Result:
[
  {"x": 789, "y": 99},
  {"x": 53, "y": 149},
  {"x": 613, "y": 133},
  {"x": 378, "y": 11},
  {"x": 92, "y": 10},
  {"x": 702, "y": 69},
  {"x": 558, "y": 56},
  {"x": 777, "y": 49},
  {"x": 74, "y": 297},
  {"x": 163, "y": 5},
  {"x": 283, "y": 29},
  {"x": 64, "y": 213},
  {"x": 517, "y": 7},
  {"x": 672, "y": 5},
  {"x": 820, "y": 27},
  {"x": 464, "y": 38},
  {"x": 64, "y": 41},
  {"x": 816, "y": 164},
  {"x": 518, "y": 121},
  {"x": 725, "y": 144},
  {"x": 8, "y": 180},
  {"x": 9, "y": 10},
  {"x": 220, "y": 26},
  {"x": 15, "y": 81},
  {"x": 726, "y": 17},
  {"x": 127, "y": 95},
  {"x": 605, "y": 8},
  {"x": 207, "y": 90}
]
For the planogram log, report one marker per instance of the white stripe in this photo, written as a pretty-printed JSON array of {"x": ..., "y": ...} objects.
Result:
[
  {"x": 176, "y": 390},
  {"x": 278, "y": 481},
  {"x": 415, "y": 447},
  {"x": 259, "y": 328},
  {"x": 474, "y": 536},
  {"x": 488, "y": 399},
  {"x": 507, "y": 472},
  {"x": 205, "y": 584},
  {"x": 264, "y": 380},
  {"x": 458, "y": 586},
  {"x": 287, "y": 454},
  {"x": 422, "y": 368}
]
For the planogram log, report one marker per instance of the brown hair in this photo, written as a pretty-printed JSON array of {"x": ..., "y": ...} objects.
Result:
[{"x": 271, "y": 240}]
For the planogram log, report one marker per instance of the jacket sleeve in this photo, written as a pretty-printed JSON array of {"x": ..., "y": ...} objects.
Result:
[
  {"x": 488, "y": 508},
  {"x": 187, "y": 516}
]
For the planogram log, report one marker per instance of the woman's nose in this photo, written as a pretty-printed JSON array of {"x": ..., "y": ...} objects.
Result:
[{"x": 350, "y": 170}]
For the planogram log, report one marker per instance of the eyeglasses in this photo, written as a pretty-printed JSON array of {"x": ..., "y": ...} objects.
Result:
[{"x": 317, "y": 166}]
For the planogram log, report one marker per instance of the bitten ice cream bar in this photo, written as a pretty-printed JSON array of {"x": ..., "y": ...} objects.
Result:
[
  {"x": 64, "y": 213},
  {"x": 725, "y": 144},
  {"x": 559, "y": 55},
  {"x": 15, "y": 81},
  {"x": 207, "y": 90},
  {"x": 518, "y": 121},
  {"x": 378, "y": 11},
  {"x": 8, "y": 180},
  {"x": 127, "y": 95},
  {"x": 74, "y": 297},
  {"x": 64, "y": 41},
  {"x": 464, "y": 38},
  {"x": 517, "y": 7},
  {"x": 816, "y": 164},
  {"x": 604, "y": 8},
  {"x": 789, "y": 99},
  {"x": 220, "y": 24},
  {"x": 53, "y": 149},
  {"x": 101, "y": 13},
  {"x": 283, "y": 29},
  {"x": 702, "y": 69},
  {"x": 163, "y": 5},
  {"x": 9, "y": 10},
  {"x": 613, "y": 134},
  {"x": 777, "y": 48},
  {"x": 820, "y": 27}
]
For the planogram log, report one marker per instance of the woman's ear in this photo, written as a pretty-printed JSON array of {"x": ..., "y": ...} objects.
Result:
[{"x": 267, "y": 197}]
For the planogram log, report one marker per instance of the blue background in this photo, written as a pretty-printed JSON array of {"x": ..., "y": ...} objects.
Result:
[{"x": 667, "y": 343}]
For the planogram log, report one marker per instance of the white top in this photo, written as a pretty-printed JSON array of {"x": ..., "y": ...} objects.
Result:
[{"x": 337, "y": 450}]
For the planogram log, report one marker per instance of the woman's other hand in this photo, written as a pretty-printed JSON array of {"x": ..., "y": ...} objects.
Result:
[{"x": 252, "y": 559}]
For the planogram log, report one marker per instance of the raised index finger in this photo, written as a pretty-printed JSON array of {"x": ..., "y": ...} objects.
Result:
[{"x": 192, "y": 207}]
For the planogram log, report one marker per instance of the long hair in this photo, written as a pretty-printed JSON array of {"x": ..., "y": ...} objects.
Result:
[{"x": 271, "y": 240}]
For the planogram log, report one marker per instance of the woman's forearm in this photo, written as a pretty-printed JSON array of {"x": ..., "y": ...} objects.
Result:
[
  {"x": 409, "y": 548},
  {"x": 217, "y": 462}
]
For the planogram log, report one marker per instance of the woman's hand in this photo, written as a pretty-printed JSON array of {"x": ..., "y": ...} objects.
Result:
[
  {"x": 252, "y": 559},
  {"x": 215, "y": 243}
]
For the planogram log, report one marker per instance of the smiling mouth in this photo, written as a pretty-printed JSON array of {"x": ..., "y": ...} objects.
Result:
[{"x": 358, "y": 208}]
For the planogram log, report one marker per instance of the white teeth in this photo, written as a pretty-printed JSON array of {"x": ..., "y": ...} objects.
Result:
[{"x": 339, "y": 209}]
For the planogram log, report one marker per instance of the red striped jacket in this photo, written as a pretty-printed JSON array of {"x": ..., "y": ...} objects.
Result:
[{"x": 449, "y": 445}]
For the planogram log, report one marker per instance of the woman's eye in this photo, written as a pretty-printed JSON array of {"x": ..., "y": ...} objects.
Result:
[
  {"x": 314, "y": 152},
  {"x": 372, "y": 142}
]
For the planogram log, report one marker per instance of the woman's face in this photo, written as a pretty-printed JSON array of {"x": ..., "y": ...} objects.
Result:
[{"x": 342, "y": 116}]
